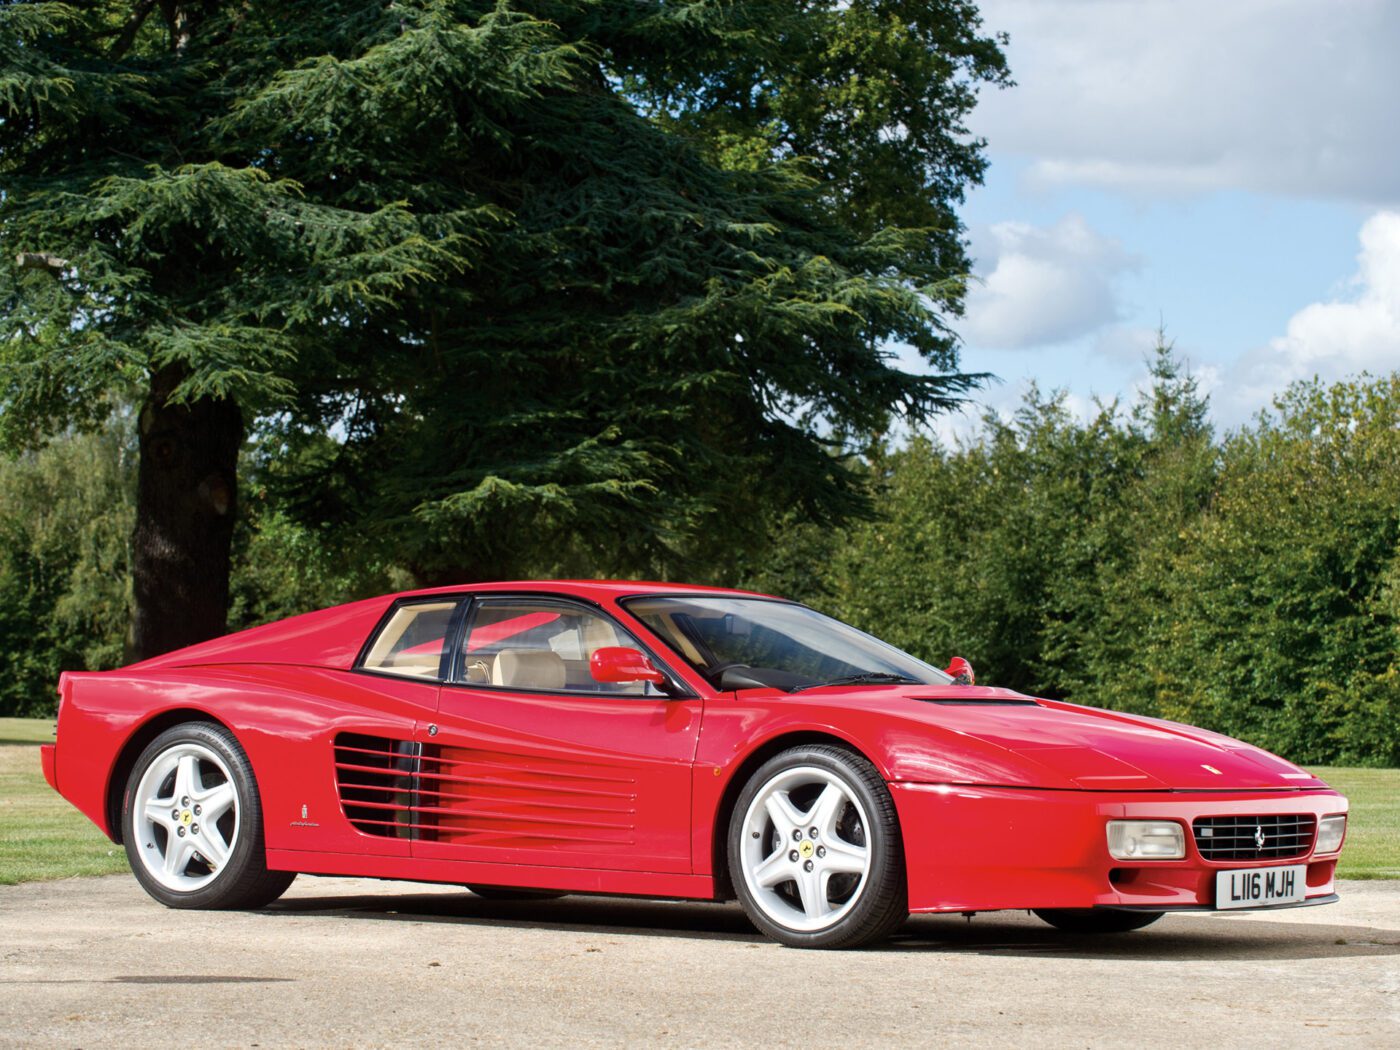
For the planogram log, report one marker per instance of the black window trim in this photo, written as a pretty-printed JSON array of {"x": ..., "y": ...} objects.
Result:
[
  {"x": 358, "y": 667},
  {"x": 682, "y": 690}
]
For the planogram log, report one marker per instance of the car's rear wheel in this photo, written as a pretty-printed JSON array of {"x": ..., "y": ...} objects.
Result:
[
  {"x": 510, "y": 893},
  {"x": 815, "y": 852},
  {"x": 192, "y": 822},
  {"x": 1097, "y": 920}
]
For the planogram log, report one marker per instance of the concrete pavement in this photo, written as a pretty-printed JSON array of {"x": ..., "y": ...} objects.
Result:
[{"x": 346, "y": 962}]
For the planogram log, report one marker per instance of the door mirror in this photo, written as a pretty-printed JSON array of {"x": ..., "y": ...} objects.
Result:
[
  {"x": 960, "y": 671},
  {"x": 618, "y": 663}
]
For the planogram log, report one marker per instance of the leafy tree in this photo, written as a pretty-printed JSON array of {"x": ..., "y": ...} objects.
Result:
[
  {"x": 1042, "y": 547},
  {"x": 490, "y": 300},
  {"x": 1133, "y": 561},
  {"x": 978, "y": 545},
  {"x": 1113, "y": 649},
  {"x": 65, "y": 518},
  {"x": 282, "y": 566},
  {"x": 1281, "y": 614}
]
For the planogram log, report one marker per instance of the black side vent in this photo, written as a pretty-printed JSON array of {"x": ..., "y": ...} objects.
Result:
[{"x": 376, "y": 779}]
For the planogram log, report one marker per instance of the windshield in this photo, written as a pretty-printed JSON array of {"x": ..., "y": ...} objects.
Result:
[{"x": 775, "y": 643}]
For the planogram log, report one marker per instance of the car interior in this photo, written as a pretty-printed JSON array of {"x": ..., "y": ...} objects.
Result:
[{"x": 509, "y": 643}]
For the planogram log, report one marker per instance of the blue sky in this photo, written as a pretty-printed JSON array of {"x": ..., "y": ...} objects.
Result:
[{"x": 1230, "y": 168}]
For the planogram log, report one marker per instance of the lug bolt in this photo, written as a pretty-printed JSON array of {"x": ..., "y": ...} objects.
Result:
[
  {"x": 185, "y": 801},
  {"x": 793, "y": 856},
  {"x": 807, "y": 865},
  {"x": 180, "y": 832},
  {"x": 197, "y": 810},
  {"x": 821, "y": 851},
  {"x": 796, "y": 834},
  {"x": 194, "y": 829},
  {"x": 813, "y": 833},
  {"x": 174, "y": 814}
]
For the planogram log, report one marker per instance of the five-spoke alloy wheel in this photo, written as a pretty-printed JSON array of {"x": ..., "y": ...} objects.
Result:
[
  {"x": 192, "y": 822},
  {"x": 815, "y": 852}
]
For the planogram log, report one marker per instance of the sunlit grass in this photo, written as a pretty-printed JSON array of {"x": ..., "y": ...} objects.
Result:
[
  {"x": 1372, "y": 849},
  {"x": 41, "y": 835}
]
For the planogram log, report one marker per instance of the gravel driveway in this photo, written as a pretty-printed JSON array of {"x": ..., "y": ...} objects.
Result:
[{"x": 347, "y": 962}]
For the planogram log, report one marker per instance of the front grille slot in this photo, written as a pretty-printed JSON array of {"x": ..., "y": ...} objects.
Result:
[{"x": 1238, "y": 838}]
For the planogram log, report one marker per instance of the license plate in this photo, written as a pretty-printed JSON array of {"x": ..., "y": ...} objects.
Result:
[{"x": 1260, "y": 887}]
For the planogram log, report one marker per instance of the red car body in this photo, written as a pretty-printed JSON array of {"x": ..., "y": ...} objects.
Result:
[{"x": 1002, "y": 800}]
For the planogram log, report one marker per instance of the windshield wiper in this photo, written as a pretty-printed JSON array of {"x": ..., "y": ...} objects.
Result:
[{"x": 864, "y": 678}]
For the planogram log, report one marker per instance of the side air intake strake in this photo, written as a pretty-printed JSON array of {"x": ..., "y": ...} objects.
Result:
[
  {"x": 376, "y": 779},
  {"x": 478, "y": 797}
]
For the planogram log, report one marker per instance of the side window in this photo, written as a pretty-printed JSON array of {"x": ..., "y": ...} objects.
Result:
[
  {"x": 526, "y": 644},
  {"x": 411, "y": 643}
]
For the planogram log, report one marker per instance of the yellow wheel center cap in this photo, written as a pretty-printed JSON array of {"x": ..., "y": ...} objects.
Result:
[
  {"x": 186, "y": 817},
  {"x": 806, "y": 849}
]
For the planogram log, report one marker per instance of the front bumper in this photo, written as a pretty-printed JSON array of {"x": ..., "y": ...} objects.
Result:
[{"x": 973, "y": 848}]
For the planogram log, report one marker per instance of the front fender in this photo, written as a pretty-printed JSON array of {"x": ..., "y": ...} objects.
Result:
[{"x": 739, "y": 730}]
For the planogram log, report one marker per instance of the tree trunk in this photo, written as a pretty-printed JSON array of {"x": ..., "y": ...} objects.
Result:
[{"x": 186, "y": 501}]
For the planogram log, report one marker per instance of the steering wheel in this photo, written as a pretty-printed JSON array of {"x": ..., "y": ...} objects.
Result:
[{"x": 714, "y": 673}]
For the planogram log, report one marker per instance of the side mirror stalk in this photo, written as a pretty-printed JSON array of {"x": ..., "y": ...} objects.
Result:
[{"x": 960, "y": 671}]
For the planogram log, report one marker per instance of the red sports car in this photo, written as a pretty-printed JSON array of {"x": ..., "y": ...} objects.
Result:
[{"x": 669, "y": 741}]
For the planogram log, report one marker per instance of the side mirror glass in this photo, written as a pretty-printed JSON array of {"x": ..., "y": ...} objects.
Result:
[
  {"x": 619, "y": 664},
  {"x": 960, "y": 671}
]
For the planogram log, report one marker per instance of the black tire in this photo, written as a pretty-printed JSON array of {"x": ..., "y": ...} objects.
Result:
[
  {"x": 243, "y": 880},
  {"x": 508, "y": 893},
  {"x": 877, "y": 904},
  {"x": 1097, "y": 920}
]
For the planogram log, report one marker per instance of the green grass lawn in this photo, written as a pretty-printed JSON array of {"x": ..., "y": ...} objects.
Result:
[
  {"x": 1372, "y": 849},
  {"x": 43, "y": 837}
]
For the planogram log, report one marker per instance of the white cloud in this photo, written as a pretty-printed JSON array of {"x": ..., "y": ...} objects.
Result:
[
  {"x": 1126, "y": 344},
  {"x": 1291, "y": 96},
  {"x": 1040, "y": 285},
  {"x": 1358, "y": 331}
]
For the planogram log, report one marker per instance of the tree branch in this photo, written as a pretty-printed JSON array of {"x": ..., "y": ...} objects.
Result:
[
  {"x": 41, "y": 261},
  {"x": 132, "y": 27}
]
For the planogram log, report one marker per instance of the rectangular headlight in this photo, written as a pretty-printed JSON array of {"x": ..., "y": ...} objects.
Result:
[
  {"x": 1146, "y": 840},
  {"x": 1330, "y": 832}
]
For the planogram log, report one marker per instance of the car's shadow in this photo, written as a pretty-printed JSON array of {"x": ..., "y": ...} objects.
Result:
[{"x": 1196, "y": 936}]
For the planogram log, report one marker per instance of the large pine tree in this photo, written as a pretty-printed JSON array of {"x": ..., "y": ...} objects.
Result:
[{"x": 503, "y": 284}]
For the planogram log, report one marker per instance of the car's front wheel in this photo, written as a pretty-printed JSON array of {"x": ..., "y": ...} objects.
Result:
[
  {"x": 192, "y": 822},
  {"x": 815, "y": 852},
  {"x": 1097, "y": 920}
]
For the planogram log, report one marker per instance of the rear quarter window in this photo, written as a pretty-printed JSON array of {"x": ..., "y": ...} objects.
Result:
[{"x": 411, "y": 641}]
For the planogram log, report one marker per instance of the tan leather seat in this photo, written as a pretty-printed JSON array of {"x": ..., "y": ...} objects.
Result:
[{"x": 528, "y": 669}]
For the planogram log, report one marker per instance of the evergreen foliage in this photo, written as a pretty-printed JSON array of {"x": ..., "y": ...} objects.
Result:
[{"x": 482, "y": 274}]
